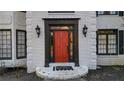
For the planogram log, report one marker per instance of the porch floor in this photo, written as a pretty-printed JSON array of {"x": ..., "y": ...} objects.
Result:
[{"x": 105, "y": 73}]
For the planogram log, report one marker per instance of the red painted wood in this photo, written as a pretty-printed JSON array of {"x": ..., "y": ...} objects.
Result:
[{"x": 61, "y": 46}]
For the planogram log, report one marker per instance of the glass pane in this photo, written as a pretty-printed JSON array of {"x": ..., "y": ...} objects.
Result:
[
  {"x": 112, "y": 42},
  {"x": 23, "y": 34},
  {"x": 19, "y": 33},
  {"x": 51, "y": 33},
  {"x": 4, "y": 55},
  {"x": 4, "y": 33},
  {"x": 19, "y": 47},
  {"x": 19, "y": 54},
  {"x": 23, "y": 41},
  {"x": 71, "y": 45},
  {"x": 8, "y": 37},
  {"x": 103, "y": 37},
  {"x": 1, "y": 33},
  {"x": 4, "y": 41},
  {"x": 19, "y": 37},
  {"x": 23, "y": 50},
  {"x": 4, "y": 46},
  {"x": 102, "y": 50},
  {"x": 100, "y": 12},
  {"x": 23, "y": 46},
  {"x": 107, "y": 12},
  {"x": 0, "y": 55},
  {"x": 8, "y": 42},
  {"x": 8, "y": 46},
  {"x": 0, "y": 42},
  {"x": 111, "y": 36},
  {"x": 112, "y": 12},
  {"x": 4, "y": 50},
  {"x": 61, "y": 28},
  {"x": 9, "y": 55},
  {"x": 111, "y": 39},
  {"x": 51, "y": 46},
  {"x": 111, "y": 51},
  {"x": 1, "y": 46},
  {"x": 102, "y": 41},
  {"x": 9, "y": 51},
  {"x": 0, "y": 37},
  {"x": 4, "y": 37},
  {"x": 19, "y": 50},
  {"x": 19, "y": 42},
  {"x": 0, "y": 51},
  {"x": 8, "y": 33}
]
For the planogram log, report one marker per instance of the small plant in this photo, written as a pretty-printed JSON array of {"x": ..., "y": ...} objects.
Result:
[
  {"x": 17, "y": 73},
  {"x": 2, "y": 68}
]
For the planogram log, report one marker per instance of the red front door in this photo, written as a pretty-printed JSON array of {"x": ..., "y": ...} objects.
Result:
[{"x": 61, "y": 50}]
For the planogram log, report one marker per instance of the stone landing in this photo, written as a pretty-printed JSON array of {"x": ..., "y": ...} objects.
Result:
[{"x": 61, "y": 71}]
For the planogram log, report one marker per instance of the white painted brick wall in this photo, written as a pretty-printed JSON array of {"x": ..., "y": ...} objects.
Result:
[
  {"x": 110, "y": 22},
  {"x": 13, "y": 20},
  {"x": 36, "y": 47}
]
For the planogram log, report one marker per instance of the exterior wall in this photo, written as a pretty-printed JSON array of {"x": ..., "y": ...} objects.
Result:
[
  {"x": 9, "y": 20},
  {"x": 110, "y": 22},
  {"x": 20, "y": 24},
  {"x": 6, "y": 22},
  {"x": 36, "y": 46}
]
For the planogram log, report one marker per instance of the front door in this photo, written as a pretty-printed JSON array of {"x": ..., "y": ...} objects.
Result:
[
  {"x": 61, "y": 46},
  {"x": 61, "y": 41}
]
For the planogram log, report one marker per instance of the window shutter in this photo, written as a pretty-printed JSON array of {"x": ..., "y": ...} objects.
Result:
[
  {"x": 121, "y": 42},
  {"x": 96, "y": 13},
  {"x": 121, "y": 13}
]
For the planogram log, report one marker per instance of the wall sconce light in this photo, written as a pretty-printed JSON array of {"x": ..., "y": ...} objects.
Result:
[
  {"x": 37, "y": 31},
  {"x": 85, "y": 30}
]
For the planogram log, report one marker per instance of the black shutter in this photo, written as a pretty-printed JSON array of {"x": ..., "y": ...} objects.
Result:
[
  {"x": 121, "y": 40},
  {"x": 96, "y": 13},
  {"x": 121, "y": 13}
]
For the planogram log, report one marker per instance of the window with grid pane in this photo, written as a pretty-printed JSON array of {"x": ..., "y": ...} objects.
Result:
[
  {"x": 107, "y": 12},
  {"x": 107, "y": 42},
  {"x": 5, "y": 44},
  {"x": 21, "y": 44},
  {"x": 112, "y": 44},
  {"x": 101, "y": 43}
]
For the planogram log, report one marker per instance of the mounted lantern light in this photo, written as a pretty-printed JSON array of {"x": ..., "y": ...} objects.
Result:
[
  {"x": 85, "y": 30},
  {"x": 37, "y": 31}
]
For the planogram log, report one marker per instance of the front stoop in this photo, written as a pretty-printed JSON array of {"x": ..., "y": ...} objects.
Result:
[{"x": 51, "y": 73}]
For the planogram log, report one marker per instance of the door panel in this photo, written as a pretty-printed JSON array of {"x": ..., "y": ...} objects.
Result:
[{"x": 61, "y": 46}]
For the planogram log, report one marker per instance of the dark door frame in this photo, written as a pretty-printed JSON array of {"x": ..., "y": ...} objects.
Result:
[{"x": 61, "y": 21}]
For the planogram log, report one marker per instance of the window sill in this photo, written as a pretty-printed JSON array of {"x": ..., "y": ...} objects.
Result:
[
  {"x": 21, "y": 57},
  {"x": 5, "y": 58}
]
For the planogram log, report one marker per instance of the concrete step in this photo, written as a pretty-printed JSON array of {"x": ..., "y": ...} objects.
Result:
[{"x": 61, "y": 71}]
